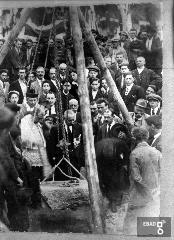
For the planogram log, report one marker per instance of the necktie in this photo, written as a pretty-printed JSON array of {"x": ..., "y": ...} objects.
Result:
[
  {"x": 127, "y": 91},
  {"x": 153, "y": 112}
]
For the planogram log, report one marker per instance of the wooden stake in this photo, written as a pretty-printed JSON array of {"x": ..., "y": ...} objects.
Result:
[
  {"x": 105, "y": 71},
  {"x": 90, "y": 157},
  {"x": 14, "y": 33}
]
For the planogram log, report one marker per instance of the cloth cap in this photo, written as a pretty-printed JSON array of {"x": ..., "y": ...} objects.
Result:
[
  {"x": 3, "y": 71},
  {"x": 94, "y": 68},
  {"x": 141, "y": 103},
  {"x": 154, "y": 97},
  {"x": 123, "y": 33}
]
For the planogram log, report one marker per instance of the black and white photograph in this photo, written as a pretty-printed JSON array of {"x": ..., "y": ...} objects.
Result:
[{"x": 84, "y": 93}]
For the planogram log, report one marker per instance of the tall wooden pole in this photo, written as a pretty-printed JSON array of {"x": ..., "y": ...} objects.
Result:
[
  {"x": 105, "y": 71},
  {"x": 90, "y": 157},
  {"x": 14, "y": 33}
]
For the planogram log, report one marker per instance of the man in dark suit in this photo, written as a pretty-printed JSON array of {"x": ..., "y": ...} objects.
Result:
[
  {"x": 120, "y": 81},
  {"x": 66, "y": 96},
  {"x": 144, "y": 76},
  {"x": 20, "y": 85},
  {"x": 73, "y": 141},
  {"x": 29, "y": 53},
  {"x": 153, "y": 51},
  {"x": 105, "y": 130},
  {"x": 131, "y": 92},
  {"x": 94, "y": 91},
  {"x": 16, "y": 58},
  {"x": 154, "y": 124}
]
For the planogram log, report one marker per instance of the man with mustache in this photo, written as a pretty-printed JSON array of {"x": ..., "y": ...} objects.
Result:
[{"x": 37, "y": 84}]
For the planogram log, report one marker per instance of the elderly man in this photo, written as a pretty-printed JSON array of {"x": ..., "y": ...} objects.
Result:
[
  {"x": 145, "y": 172},
  {"x": 63, "y": 73},
  {"x": 73, "y": 141},
  {"x": 144, "y": 76}
]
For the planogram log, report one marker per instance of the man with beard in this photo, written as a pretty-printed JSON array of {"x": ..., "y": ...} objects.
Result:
[
  {"x": 20, "y": 85},
  {"x": 37, "y": 84}
]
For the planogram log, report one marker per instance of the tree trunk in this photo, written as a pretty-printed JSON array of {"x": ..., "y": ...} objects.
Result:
[
  {"x": 90, "y": 157},
  {"x": 14, "y": 33},
  {"x": 105, "y": 71}
]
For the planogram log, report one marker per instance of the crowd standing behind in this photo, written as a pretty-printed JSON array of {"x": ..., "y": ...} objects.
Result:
[{"x": 46, "y": 93}]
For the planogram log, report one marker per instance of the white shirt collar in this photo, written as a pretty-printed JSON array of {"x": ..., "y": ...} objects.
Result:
[
  {"x": 129, "y": 87},
  {"x": 155, "y": 137},
  {"x": 140, "y": 69},
  {"x": 155, "y": 109}
]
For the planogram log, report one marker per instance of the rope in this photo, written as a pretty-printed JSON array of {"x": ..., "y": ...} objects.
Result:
[
  {"x": 34, "y": 59},
  {"x": 49, "y": 38},
  {"x": 57, "y": 166}
]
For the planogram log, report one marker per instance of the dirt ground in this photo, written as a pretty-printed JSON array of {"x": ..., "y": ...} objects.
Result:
[{"x": 70, "y": 211}]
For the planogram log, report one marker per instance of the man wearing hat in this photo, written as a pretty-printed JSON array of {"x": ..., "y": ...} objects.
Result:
[
  {"x": 93, "y": 71},
  {"x": 154, "y": 125},
  {"x": 140, "y": 115},
  {"x": 154, "y": 101},
  {"x": 13, "y": 97},
  {"x": 153, "y": 52}
]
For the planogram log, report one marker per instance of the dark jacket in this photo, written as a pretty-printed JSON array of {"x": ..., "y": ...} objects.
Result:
[
  {"x": 16, "y": 86},
  {"x": 98, "y": 95},
  {"x": 135, "y": 93},
  {"x": 146, "y": 77}
]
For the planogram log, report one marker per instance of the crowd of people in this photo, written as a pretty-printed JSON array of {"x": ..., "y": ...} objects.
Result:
[{"x": 40, "y": 115}]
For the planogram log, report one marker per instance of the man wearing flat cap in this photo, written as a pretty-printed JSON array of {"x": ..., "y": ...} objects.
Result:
[
  {"x": 154, "y": 125},
  {"x": 154, "y": 101},
  {"x": 140, "y": 115},
  {"x": 93, "y": 73}
]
